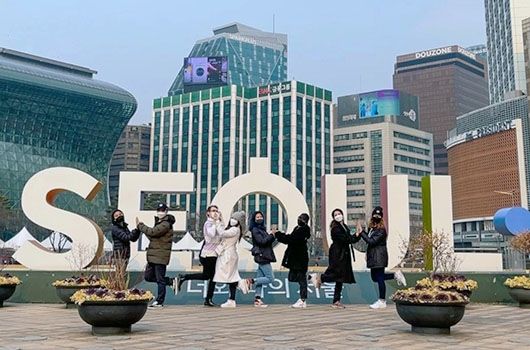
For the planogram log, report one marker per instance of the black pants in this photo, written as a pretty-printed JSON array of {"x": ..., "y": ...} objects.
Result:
[
  {"x": 232, "y": 287},
  {"x": 378, "y": 275},
  {"x": 157, "y": 273},
  {"x": 208, "y": 271},
  {"x": 338, "y": 286},
  {"x": 299, "y": 276}
]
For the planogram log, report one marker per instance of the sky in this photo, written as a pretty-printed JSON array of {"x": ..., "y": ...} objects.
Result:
[{"x": 344, "y": 46}]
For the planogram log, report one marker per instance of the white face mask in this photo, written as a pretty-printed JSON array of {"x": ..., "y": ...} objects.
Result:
[
  {"x": 233, "y": 222},
  {"x": 339, "y": 217},
  {"x": 161, "y": 214}
]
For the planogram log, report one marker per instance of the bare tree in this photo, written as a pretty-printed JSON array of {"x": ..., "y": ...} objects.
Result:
[
  {"x": 435, "y": 246},
  {"x": 58, "y": 241}
]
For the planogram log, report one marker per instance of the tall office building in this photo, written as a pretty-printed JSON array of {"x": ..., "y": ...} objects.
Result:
[
  {"x": 213, "y": 133},
  {"x": 253, "y": 58},
  {"x": 131, "y": 154},
  {"x": 376, "y": 134},
  {"x": 449, "y": 82},
  {"x": 480, "y": 50},
  {"x": 526, "y": 45},
  {"x": 505, "y": 46},
  {"x": 55, "y": 114}
]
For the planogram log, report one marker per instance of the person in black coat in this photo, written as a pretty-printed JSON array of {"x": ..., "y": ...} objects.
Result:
[
  {"x": 340, "y": 269},
  {"x": 122, "y": 236},
  {"x": 263, "y": 255},
  {"x": 377, "y": 255},
  {"x": 296, "y": 257}
]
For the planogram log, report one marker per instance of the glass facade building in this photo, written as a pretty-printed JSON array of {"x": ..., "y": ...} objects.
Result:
[
  {"x": 213, "y": 133},
  {"x": 55, "y": 114},
  {"x": 449, "y": 81},
  {"x": 506, "y": 67},
  {"x": 255, "y": 57}
]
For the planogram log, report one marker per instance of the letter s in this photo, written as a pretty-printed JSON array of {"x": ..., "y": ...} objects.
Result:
[{"x": 37, "y": 200}]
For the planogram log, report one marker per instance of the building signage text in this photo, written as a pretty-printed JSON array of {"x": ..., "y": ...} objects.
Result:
[{"x": 274, "y": 89}]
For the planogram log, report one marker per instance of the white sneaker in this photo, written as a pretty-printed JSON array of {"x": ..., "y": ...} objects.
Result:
[
  {"x": 300, "y": 304},
  {"x": 379, "y": 304},
  {"x": 400, "y": 278},
  {"x": 229, "y": 304},
  {"x": 315, "y": 278},
  {"x": 156, "y": 305},
  {"x": 259, "y": 303}
]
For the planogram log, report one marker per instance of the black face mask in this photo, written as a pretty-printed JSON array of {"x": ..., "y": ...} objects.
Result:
[
  {"x": 119, "y": 219},
  {"x": 259, "y": 221},
  {"x": 376, "y": 220},
  {"x": 301, "y": 222}
]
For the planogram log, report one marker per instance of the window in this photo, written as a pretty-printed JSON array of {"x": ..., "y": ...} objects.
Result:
[
  {"x": 352, "y": 158},
  {"x": 355, "y": 181},
  {"x": 355, "y": 169},
  {"x": 411, "y": 137},
  {"x": 354, "y": 147}
]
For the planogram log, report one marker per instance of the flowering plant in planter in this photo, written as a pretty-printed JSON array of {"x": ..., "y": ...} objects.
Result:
[
  {"x": 522, "y": 282},
  {"x": 80, "y": 281},
  {"x": 113, "y": 308},
  {"x": 431, "y": 295},
  {"x": 448, "y": 282},
  {"x": 105, "y": 294},
  {"x": 9, "y": 280}
]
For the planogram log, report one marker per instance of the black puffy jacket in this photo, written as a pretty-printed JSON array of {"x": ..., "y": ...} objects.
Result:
[
  {"x": 121, "y": 238},
  {"x": 376, "y": 254},
  {"x": 261, "y": 243}
]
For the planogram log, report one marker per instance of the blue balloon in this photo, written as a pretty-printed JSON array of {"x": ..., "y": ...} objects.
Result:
[{"x": 512, "y": 221}]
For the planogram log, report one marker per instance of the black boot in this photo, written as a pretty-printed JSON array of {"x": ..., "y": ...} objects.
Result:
[{"x": 210, "y": 303}]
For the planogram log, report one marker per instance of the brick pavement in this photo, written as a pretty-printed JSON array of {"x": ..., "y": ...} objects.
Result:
[{"x": 51, "y": 326}]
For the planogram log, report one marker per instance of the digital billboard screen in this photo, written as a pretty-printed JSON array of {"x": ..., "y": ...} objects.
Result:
[
  {"x": 212, "y": 70},
  {"x": 379, "y": 103}
]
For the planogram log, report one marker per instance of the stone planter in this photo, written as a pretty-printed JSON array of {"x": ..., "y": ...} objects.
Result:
[
  {"x": 6, "y": 291},
  {"x": 65, "y": 292},
  {"x": 521, "y": 295},
  {"x": 430, "y": 318},
  {"x": 112, "y": 317}
]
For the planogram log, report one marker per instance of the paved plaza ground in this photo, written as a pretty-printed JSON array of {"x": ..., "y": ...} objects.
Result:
[{"x": 51, "y": 326}]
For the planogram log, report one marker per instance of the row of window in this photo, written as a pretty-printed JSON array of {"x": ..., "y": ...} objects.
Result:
[
  {"x": 410, "y": 171},
  {"x": 354, "y": 147},
  {"x": 355, "y": 181},
  {"x": 409, "y": 148},
  {"x": 412, "y": 160},
  {"x": 350, "y": 170},
  {"x": 354, "y": 136},
  {"x": 413, "y": 138},
  {"x": 352, "y": 158}
]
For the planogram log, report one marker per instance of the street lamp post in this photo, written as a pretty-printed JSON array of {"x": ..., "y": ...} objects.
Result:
[{"x": 511, "y": 193}]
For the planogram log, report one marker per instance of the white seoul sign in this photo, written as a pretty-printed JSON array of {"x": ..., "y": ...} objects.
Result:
[{"x": 87, "y": 238}]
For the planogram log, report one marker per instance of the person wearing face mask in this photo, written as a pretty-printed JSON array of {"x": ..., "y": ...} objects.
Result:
[
  {"x": 263, "y": 255},
  {"x": 377, "y": 255},
  {"x": 340, "y": 269},
  {"x": 121, "y": 237},
  {"x": 296, "y": 257},
  {"x": 226, "y": 267},
  {"x": 207, "y": 255},
  {"x": 159, "y": 251}
]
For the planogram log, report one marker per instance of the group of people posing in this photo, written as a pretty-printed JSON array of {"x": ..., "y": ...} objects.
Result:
[{"x": 219, "y": 256}]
